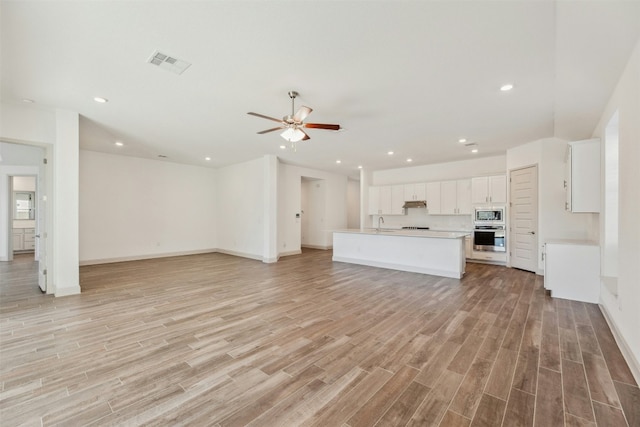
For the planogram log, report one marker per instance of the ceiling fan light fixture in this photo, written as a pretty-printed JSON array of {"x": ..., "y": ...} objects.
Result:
[{"x": 292, "y": 134}]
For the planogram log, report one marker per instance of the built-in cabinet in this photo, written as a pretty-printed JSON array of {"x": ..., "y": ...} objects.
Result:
[
  {"x": 455, "y": 197},
  {"x": 468, "y": 247},
  {"x": 488, "y": 256},
  {"x": 452, "y": 197},
  {"x": 582, "y": 176},
  {"x": 489, "y": 190},
  {"x": 24, "y": 239},
  {"x": 572, "y": 270},
  {"x": 433, "y": 198},
  {"x": 415, "y": 192},
  {"x": 386, "y": 200}
]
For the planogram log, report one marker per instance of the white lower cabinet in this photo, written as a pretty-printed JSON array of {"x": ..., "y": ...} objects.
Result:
[
  {"x": 572, "y": 270},
  {"x": 468, "y": 247},
  {"x": 489, "y": 256},
  {"x": 24, "y": 239}
]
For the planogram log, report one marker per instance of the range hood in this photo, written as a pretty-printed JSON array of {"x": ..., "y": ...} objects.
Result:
[{"x": 415, "y": 204}]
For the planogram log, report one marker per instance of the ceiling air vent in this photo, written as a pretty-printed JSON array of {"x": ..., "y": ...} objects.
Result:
[{"x": 168, "y": 62}]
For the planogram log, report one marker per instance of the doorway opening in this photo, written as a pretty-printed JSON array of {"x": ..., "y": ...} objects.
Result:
[
  {"x": 313, "y": 232},
  {"x": 23, "y": 206}
]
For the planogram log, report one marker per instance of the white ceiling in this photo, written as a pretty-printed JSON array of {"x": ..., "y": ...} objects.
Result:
[{"x": 407, "y": 76}]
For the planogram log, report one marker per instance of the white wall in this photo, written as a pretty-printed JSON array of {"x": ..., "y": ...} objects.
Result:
[
  {"x": 20, "y": 123},
  {"x": 240, "y": 209},
  {"x": 353, "y": 203},
  {"x": 289, "y": 204},
  {"x": 554, "y": 222},
  {"x": 622, "y": 309},
  {"x": 133, "y": 208},
  {"x": 442, "y": 171}
]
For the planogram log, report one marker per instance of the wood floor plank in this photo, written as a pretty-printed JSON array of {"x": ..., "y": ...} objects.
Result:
[
  {"x": 213, "y": 339},
  {"x": 630, "y": 401},
  {"x": 490, "y": 412},
  {"x": 608, "y": 416},
  {"x": 501, "y": 376},
  {"x": 469, "y": 394},
  {"x": 451, "y": 419},
  {"x": 599, "y": 380},
  {"x": 576, "y": 392},
  {"x": 401, "y": 411},
  {"x": 615, "y": 361},
  {"x": 434, "y": 406},
  {"x": 520, "y": 409},
  {"x": 372, "y": 411},
  {"x": 549, "y": 404}
]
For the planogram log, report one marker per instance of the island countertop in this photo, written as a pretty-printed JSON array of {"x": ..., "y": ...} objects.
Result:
[
  {"x": 439, "y": 253},
  {"x": 405, "y": 233}
]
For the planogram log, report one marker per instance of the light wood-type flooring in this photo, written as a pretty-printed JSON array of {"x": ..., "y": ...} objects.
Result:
[{"x": 216, "y": 340}]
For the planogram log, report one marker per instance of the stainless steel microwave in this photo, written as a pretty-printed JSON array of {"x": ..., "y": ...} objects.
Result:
[{"x": 489, "y": 216}]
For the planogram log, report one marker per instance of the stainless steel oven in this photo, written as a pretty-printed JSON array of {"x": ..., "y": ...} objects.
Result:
[{"x": 489, "y": 238}]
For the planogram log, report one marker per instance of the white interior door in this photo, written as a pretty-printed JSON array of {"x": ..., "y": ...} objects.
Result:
[
  {"x": 41, "y": 229},
  {"x": 523, "y": 218}
]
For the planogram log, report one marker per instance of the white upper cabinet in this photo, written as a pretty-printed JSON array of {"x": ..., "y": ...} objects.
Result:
[
  {"x": 455, "y": 197},
  {"x": 433, "y": 198},
  {"x": 489, "y": 190},
  {"x": 463, "y": 199},
  {"x": 415, "y": 192},
  {"x": 583, "y": 176},
  {"x": 386, "y": 200},
  {"x": 374, "y": 200},
  {"x": 397, "y": 200}
]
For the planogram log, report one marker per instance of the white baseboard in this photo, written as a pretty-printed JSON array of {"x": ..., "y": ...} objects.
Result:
[
  {"x": 63, "y": 292},
  {"x": 149, "y": 256},
  {"x": 634, "y": 364},
  {"x": 241, "y": 254},
  {"x": 296, "y": 252},
  {"x": 324, "y": 248}
]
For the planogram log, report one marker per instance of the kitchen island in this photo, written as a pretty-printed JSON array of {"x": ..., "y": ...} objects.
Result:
[{"x": 438, "y": 253}]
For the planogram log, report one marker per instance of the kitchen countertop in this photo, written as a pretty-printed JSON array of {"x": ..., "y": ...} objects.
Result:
[{"x": 406, "y": 233}]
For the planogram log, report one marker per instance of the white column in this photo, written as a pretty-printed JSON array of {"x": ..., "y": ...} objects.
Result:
[
  {"x": 270, "y": 249},
  {"x": 63, "y": 273}
]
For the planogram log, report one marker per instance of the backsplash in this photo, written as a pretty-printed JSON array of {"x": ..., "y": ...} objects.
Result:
[{"x": 418, "y": 217}]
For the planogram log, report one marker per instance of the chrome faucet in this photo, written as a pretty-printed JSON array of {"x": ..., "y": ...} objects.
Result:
[{"x": 380, "y": 219}]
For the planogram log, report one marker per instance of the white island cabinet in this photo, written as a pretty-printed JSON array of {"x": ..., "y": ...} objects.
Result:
[{"x": 430, "y": 252}]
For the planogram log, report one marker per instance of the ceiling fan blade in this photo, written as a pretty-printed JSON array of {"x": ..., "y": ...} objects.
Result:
[
  {"x": 305, "y": 135},
  {"x": 321, "y": 126},
  {"x": 302, "y": 114},
  {"x": 265, "y": 117},
  {"x": 270, "y": 130}
]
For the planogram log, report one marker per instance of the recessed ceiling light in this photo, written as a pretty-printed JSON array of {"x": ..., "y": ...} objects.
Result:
[
  {"x": 409, "y": 160},
  {"x": 462, "y": 140},
  {"x": 360, "y": 167},
  {"x": 101, "y": 100},
  {"x": 506, "y": 88},
  {"x": 283, "y": 147},
  {"x": 390, "y": 153},
  {"x": 475, "y": 150},
  {"x": 207, "y": 158},
  {"x": 338, "y": 161},
  {"x": 28, "y": 101},
  {"x": 119, "y": 144}
]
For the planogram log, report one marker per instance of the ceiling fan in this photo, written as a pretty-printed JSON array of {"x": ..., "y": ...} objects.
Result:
[{"x": 293, "y": 124}]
